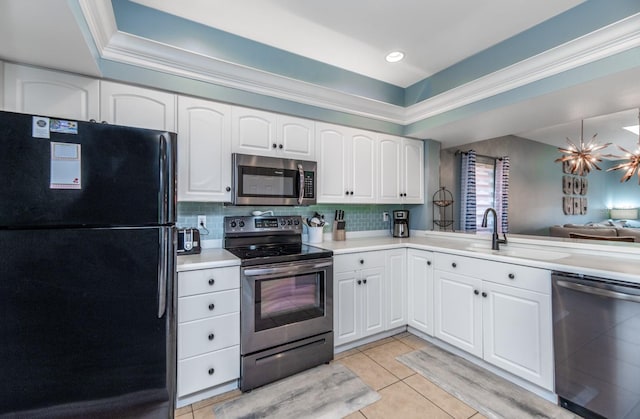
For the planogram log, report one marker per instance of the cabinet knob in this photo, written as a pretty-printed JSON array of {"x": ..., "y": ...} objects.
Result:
[
  {"x": 364, "y": 281},
  {"x": 346, "y": 192},
  {"x": 453, "y": 265},
  {"x": 428, "y": 263},
  {"x": 351, "y": 193},
  {"x": 274, "y": 145},
  {"x": 484, "y": 294},
  {"x": 359, "y": 282},
  {"x": 212, "y": 281},
  {"x": 476, "y": 292},
  {"x": 361, "y": 261},
  {"x": 211, "y": 371},
  {"x": 228, "y": 188},
  {"x": 211, "y": 336},
  {"x": 211, "y": 306},
  {"x": 280, "y": 146},
  {"x": 511, "y": 276}
]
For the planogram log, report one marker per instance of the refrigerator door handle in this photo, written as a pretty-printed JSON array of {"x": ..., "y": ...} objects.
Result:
[
  {"x": 164, "y": 181},
  {"x": 163, "y": 270}
]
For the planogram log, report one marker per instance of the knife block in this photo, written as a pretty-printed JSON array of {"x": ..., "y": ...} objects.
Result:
[{"x": 339, "y": 232}]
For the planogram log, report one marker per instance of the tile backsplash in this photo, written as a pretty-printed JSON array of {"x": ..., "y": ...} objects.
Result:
[{"x": 358, "y": 217}]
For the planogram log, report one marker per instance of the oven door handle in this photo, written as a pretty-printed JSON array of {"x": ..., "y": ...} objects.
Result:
[{"x": 288, "y": 269}]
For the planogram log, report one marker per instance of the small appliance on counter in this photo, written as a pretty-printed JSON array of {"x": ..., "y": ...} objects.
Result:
[
  {"x": 339, "y": 226},
  {"x": 189, "y": 241},
  {"x": 400, "y": 223}
]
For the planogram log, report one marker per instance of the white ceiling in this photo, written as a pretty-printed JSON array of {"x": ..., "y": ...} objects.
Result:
[{"x": 356, "y": 35}]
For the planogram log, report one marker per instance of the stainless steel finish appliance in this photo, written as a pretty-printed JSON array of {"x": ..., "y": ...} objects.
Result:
[
  {"x": 87, "y": 240},
  {"x": 401, "y": 223},
  {"x": 189, "y": 241},
  {"x": 596, "y": 328},
  {"x": 259, "y": 180},
  {"x": 286, "y": 308}
]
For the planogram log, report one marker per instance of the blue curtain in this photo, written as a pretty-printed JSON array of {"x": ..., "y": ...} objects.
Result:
[
  {"x": 502, "y": 193},
  {"x": 468, "y": 191}
]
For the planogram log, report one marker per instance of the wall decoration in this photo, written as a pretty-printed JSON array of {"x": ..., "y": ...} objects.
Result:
[
  {"x": 566, "y": 167},
  {"x": 583, "y": 205},
  {"x": 585, "y": 186},
  {"x": 567, "y": 185},
  {"x": 577, "y": 185},
  {"x": 567, "y": 205}
]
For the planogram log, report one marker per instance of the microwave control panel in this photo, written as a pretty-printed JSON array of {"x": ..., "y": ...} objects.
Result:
[{"x": 309, "y": 185}]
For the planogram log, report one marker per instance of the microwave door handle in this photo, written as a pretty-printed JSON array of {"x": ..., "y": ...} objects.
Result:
[{"x": 300, "y": 184}]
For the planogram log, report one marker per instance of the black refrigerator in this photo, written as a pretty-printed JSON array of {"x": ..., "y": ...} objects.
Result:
[{"x": 87, "y": 261}]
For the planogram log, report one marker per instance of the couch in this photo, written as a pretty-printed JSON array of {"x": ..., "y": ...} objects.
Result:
[{"x": 595, "y": 231}]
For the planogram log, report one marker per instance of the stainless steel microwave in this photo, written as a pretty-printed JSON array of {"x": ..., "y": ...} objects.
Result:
[{"x": 259, "y": 180}]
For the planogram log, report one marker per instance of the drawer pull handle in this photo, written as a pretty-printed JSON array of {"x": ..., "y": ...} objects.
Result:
[
  {"x": 212, "y": 281},
  {"x": 211, "y": 371},
  {"x": 454, "y": 264},
  {"x": 476, "y": 292},
  {"x": 511, "y": 276},
  {"x": 211, "y": 336},
  {"x": 484, "y": 294},
  {"x": 212, "y": 306}
]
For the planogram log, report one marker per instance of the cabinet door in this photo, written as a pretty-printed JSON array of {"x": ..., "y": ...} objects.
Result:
[
  {"x": 458, "y": 311},
  {"x": 420, "y": 290},
  {"x": 50, "y": 93},
  {"x": 345, "y": 307},
  {"x": 396, "y": 288},
  {"x": 296, "y": 138},
  {"x": 389, "y": 171},
  {"x": 121, "y": 104},
  {"x": 372, "y": 301},
  {"x": 364, "y": 165},
  {"x": 253, "y": 132},
  {"x": 413, "y": 171},
  {"x": 204, "y": 151},
  {"x": 333, "y": 156},
  {"x": 517, "y": 332}
]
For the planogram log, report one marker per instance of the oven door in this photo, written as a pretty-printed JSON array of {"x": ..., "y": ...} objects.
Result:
[{"x": 285, "y": 302}]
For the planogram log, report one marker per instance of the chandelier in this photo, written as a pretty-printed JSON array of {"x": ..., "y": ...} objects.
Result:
[
  {"x": 583, "y": 158},
  {"x": 630, "y": 166}
]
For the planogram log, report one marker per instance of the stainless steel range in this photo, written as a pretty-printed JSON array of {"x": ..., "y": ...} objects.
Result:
[{"x": 286, "y": 309}]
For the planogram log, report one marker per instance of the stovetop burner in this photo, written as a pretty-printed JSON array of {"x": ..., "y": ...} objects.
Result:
[{"x": 266, "y": 240}]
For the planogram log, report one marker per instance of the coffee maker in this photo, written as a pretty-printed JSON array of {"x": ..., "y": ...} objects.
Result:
[{"x": 400, "y": 223}]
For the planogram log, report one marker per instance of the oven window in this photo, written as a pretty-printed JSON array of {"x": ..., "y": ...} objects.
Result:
[
  {"x": 288, "y": 300},
  {"x": 259, "y": 181}
]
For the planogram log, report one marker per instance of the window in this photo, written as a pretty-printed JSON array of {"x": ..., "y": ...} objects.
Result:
[{"x": 485, "y": 191}]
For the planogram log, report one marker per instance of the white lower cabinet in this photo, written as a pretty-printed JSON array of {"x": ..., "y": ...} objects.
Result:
[
  {"x": 498, "y": 312},
  {"x": 358, "y": 297},
  {"x": 208, "y": 328},
  {"x": 420, "y": 290},
  {"x": 395, "y": 288}
]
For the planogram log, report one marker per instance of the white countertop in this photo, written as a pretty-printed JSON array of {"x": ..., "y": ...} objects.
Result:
[{"x": 610, "y": 260}]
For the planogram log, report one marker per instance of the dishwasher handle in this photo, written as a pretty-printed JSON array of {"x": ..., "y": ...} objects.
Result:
[{"x": 603, "y": 288}]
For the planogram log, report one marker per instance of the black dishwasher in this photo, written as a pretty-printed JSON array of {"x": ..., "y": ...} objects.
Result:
[{"x": 596, "y": 331}]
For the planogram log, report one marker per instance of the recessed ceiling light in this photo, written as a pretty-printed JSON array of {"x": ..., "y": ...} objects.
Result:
[
  {"x": 395, "y": 56},
  {"x": 633, "y": 128}
]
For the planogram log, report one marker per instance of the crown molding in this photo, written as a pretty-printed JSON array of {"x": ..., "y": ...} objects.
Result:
[{"x": 129, "y": 49}]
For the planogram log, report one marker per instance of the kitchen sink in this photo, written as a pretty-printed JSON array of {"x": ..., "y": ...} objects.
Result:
[{"x": 517, "y": 252}]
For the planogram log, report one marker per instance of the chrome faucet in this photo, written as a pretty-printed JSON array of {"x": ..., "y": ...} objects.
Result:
[{"x": 495, "y": 240}]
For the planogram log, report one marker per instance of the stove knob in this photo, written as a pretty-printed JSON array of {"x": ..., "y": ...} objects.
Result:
[
  {"x": 233, "y": 224},
  {"x": 241, "y": 223},
  {"x": 282, "y": 222},
  {"x": 289, "y": 222},
  {"x": 296, "y": 222}
]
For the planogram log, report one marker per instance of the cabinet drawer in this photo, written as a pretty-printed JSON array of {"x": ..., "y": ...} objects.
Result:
[
  {"x": 208, "y": 280},
  {"x": 357, "y": 261},
  {"x": 208, "y": 305},
  {"x": 208, "y": 370},
  {"x": 202, "y": 336},
  {"x": 534, "y": 279}
]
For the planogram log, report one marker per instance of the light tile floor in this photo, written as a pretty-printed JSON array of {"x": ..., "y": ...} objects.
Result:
[{"x": 404, "y": 393}]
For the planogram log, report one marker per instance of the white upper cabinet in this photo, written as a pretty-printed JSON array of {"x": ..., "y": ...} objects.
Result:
[
  {"x": 204, "y": 150},
  {"x": 133, "y": 106},
  {"x": 268, "y": 134},
  {"x": 401, "y": 172},
  {"x": 347, "y": 164},
  {"x": 50, "y": 93}
]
